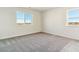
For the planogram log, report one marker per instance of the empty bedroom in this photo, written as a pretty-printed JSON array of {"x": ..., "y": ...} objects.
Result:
[{"x": 39, "y": 29}]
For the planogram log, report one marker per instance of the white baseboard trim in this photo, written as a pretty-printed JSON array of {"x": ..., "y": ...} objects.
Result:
[
  {"x": 17, "y": 35},
  {"x": 62, "y": 36}
]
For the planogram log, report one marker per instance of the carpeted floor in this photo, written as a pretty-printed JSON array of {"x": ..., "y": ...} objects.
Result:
[{"x": 40, "y": 42}]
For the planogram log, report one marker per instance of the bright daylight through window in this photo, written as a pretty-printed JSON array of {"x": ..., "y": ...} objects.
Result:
[
  {"x": 22, "y": 17},
  {"x": 72, "y": 18}
]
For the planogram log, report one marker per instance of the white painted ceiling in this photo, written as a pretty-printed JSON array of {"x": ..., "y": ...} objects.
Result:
[{"x": 41, "y": 8}]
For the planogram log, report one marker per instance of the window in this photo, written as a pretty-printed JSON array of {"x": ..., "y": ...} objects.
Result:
[
  {"x": 72, "y": 17},
  {"x": 19, "y": 17},
  {"x": 22, "y": 17},
  {"x": 28, "y": 18}
]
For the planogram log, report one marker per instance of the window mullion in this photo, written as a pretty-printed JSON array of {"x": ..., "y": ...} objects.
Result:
[{"x": 24, "y": 18}]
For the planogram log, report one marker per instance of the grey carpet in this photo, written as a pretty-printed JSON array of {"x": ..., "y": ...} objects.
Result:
[
  {"x": 73, "y": 46},
  {"x": 40, "y": 42}
]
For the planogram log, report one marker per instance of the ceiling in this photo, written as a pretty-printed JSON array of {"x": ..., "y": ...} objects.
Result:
[{"x": 41, "y": 8}]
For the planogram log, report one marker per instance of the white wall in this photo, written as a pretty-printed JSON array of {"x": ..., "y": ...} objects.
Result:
[
  {"x": 53, "y": 22},
  {"x": 8, "y": 26}
]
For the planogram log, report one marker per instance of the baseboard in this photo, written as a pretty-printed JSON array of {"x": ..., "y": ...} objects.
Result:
[
  {"x": 19, "y": 35},
  {"x": 37, "y": 33},
  {"x": 60, "y": 36}
]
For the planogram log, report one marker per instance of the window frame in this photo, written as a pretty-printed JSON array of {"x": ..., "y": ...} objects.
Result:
[
  {"x": 24, "y": 18},
  {"x": 67, "y": 17}
]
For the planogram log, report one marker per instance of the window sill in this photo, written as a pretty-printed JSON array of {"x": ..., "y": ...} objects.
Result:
[{"x": 23, "y": 23}]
